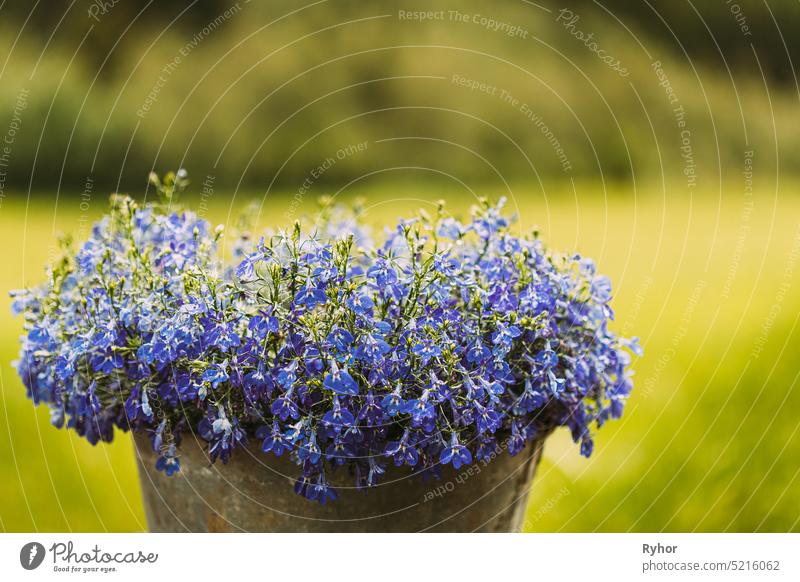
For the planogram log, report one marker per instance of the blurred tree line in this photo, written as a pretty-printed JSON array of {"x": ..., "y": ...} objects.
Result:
[{"x": 259, "y": 94}]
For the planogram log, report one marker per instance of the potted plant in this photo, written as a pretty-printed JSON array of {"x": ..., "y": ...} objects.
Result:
[{"x": 324, "y": 381}]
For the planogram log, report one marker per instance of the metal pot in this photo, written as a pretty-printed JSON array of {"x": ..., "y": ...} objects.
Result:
[{"x": 254, "y": 492}]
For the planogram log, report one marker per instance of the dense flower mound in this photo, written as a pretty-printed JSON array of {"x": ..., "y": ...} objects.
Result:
[{"x": 444, "y": 344}]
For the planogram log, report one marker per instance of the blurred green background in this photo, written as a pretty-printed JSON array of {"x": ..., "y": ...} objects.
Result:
[{"x": 675, "y": 167}]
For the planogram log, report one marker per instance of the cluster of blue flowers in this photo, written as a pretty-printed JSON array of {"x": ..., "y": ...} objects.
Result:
[{"x": 445, "y": 344}]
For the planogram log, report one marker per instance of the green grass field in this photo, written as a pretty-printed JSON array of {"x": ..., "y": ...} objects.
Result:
[{"x": 710, "y": 438}]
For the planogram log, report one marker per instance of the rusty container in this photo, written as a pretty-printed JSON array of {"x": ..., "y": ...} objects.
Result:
[{"x": 254, "y": 493}]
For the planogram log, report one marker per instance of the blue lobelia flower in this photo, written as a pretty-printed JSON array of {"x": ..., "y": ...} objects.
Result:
[
  {"x": 393, "y": 402},
  {"x": 455, "y": 453},
  {"x": 222, "y": 334},
  {"x": 504, "y": 337},
  {"x": 372, "y": 413},
  {"x": 287, "y": 375},
  {"x": 426, "y": 350},
  {"x": 284, "y": 406},
  {"x": 375, "y": 470},
  {"x": 372, "y": 348},
  {"x": 587, "y": 446},
  {"x": 487, "y": 448},
  {"x": 309, "y": 449},
  {"x": 487, "y": 419},
  {"x": 341, "y": 339},
  {"x": 451, "y": 228},
  {"x": 530, "y": 399},
  {"x": 274, "y": 440},
  {"x": 477, "y": 353},
  {"x": 168, "y": 462},
  {"x": 402, "y": 452},
  {"x": 222, "y": 426},
  {"x": 338, "y": 417},
  {"x": 601, "y": 289},
  {"x": 517, "y": 440},
  {"x": 146, "y": 410},
  {"x": 340, "y": 381},
  {"x": 263, "y": 325},
  {"x": 310, "y": 296},
  {"x": 546, "y": 358},
  {"x": 216, "y": 374},
  {"x": 107, "y": 361},
  {"x": 246, "y": 270},
  {"x": 321, "y": 491},
  {"x": 420, "y": 410},
  {"x": 360, "y": 303}
]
